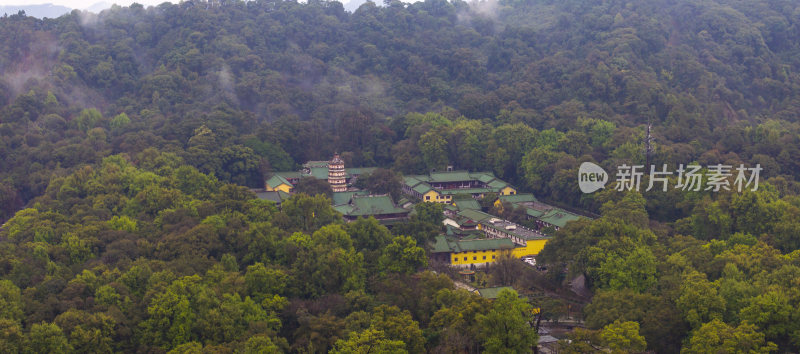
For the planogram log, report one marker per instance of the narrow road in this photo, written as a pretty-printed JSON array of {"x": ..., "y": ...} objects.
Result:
[{"x": 464, "y": 286}]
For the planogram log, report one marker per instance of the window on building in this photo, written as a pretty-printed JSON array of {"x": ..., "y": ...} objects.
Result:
[
  {"x": 475, "y": 258},
  {"x": 455, "y": 259},
  {"x": 493, "y": 256},
  {"x": 465, "y": 258},
  {"x": 427, "y": 197},
  {"x": 484, "y": 257}
]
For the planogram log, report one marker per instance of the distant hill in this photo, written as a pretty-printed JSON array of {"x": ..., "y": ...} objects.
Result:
[
  {"x": 100, "y": 6},
  {"x": 49, "y": 10},
  {"x": 38, "y": 11}
]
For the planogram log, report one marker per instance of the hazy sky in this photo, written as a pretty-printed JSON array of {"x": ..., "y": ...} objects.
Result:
[{"x": 82, "y": 4}]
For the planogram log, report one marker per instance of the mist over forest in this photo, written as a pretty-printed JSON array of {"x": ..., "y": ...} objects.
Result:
[{"x": 129, "y": 140}]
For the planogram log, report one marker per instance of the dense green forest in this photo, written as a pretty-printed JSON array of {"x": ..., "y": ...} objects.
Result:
[{"x": 128, "y": 139}]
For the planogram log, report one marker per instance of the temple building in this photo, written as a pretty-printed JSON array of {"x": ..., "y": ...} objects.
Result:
[
  {"x": 381, "y": 207},
  {"x": 332, "y": 171},
  {"x": 464, "y": 253},
  {"x": 337, "y": 175},
  {"x": 545, "y": 215},
  {"x": 440, "y": 187},
  {"x": 475, "y": 238},
  {"x": 278, "y": 183}
]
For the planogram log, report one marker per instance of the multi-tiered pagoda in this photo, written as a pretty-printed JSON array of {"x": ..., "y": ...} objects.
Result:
[{"x": 337, "y": 177}]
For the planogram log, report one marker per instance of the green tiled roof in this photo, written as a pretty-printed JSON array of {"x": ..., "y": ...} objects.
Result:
[
  {"x": 319, "y": 172},
  {"x": 462, "y": 196},
  {"x": 518, "y": 231},
  {"x": 466, "y": 191},
  {"x": 559, "y": 217},
  {"x": 411, "y": 180},
  {"x": 373, "y": 205},
  {"x": 345, "y": 209},
  {"x": 475, "y": 215},
  {"x": 454, "y": 176},
  {"x": 443, "y": 245},
  {"x": 497, "y": 184},
  {"x": 276, "y": 180},
  {"x": 485, "y": 244},
  {"x": 470, "y": 203},
  {"x": 340, "y": 198},
  {"x": 493, "y": 293},
  {"x": 468, "y": 235},
  {"x": 422, "y": 188},
  {"x": 492, "y": 183},
  {"x": 464, "y": 234},
  {"x": 288, "y": 174},
  {"x": 484, "y": 177},
  {"x": 462, "y": 221},
  {"x": 534, "y": 213},
  {"x": 276, "y": 197},
  {"x": 517, "y": 198}
]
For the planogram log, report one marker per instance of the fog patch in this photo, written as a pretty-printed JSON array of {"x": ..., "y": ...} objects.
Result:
[
  {"x": 33, "y": 66},
  {"x": 226, "y": 82},
  {"x": 88, "y": 19},
  {"x": 481, "y": 14},
  {"x": 487, "y": 8}
]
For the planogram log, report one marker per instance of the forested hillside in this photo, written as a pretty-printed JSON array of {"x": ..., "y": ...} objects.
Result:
[
  {"x": 241, "y": 88},
  {"x": 128, "y": 138}
]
